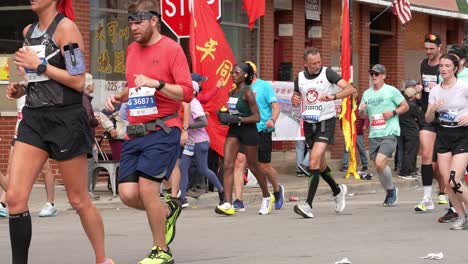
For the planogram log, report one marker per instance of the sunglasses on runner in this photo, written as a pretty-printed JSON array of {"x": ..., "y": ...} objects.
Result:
[
  {"x": 374, "y": 73},
  {"x": 142, "y": 15},
  {"x": 236, "y": 72}
]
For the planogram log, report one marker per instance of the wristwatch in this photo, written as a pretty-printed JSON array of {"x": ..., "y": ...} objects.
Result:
[
  {"x": 395, "y": 113},
  {"x": 41, "y": 68},
  {"x": 161, "y": 85}
]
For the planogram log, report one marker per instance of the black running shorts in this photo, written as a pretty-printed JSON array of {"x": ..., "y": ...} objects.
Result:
[
  {"x": 454, "y": 140},
  {"x": 63, "y": 132},
  {"x": 246, "y": 133},
  {"x": 265, "y": 146},
  {"x": 320, "y": 132}
]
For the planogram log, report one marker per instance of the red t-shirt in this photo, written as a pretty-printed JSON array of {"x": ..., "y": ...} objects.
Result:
[{"x": 165, "y": 60}]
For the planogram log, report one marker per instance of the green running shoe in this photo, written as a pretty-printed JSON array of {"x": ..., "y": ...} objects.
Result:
[
  {"x": 171, "y": 220},
  {"x": 158, "y": 256}
]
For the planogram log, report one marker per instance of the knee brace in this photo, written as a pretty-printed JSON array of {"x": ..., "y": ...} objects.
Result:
[{"x": 456, "y": 185}]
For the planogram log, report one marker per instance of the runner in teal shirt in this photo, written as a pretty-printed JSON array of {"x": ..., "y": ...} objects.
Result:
[
  {"x": 382, "y": 104},
  {"x": 386, "y": 98},
  {"x": 265, "y": 96}
]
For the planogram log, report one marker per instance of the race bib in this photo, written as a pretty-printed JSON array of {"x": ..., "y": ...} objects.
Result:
[
  {"x": 312, "y": 111},
  {"x": 311, "y": 115},
  {"x": 141, "y": 102},
  {"x": 427, "y": 79},
  {"x": 448, "y": 116},
  {"x": 189, "y": 149},
  {"x": 31, "y": 74},
  {"x": 378, "y": 122},
  {"x": 232, "y": 105}
]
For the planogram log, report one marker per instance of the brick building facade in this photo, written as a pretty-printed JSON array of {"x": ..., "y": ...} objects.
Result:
[{"x": 384, "y": 41}]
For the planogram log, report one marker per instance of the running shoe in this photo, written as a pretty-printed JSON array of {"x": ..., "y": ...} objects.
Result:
[
  {"x": 158, "y": 256},
  {"x": 194, "y": 192},
  {"x": 340, "y": 199},
  {"x": 109, "y": 261},
  {"x": 300, "y": 174},
  {"x": 408, "y": 177},
  {"x": 225, "y": 209},
  {"x": 93, "y": 196},
  {"x": 460, "y": 224},
  {"x": 184, "y": 203},
  {"x": 238, "y": 205},
  {"x": 279, "y": 198},
  {"x": 48, "y": 210},
  {"x": 443, "y": 199},
  {"x": 303, "y": 168},
  {"x": 171, "y": 220},
  {"x": 392, "y": 198},
  {"x": 449, "y": 217},
  {"x": 304, "y": 210},
  {"x": 3, "y": 211},
  {"x": 267, "y": 205},
  {"x": 425, "y": 205}
]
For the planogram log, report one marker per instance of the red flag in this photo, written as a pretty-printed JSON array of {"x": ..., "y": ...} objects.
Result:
[
  {"x": 348, "y": 116},
  {"x": 255, "y": 9},
  {"x": 402, "y": 9},
  {"x": 211, "y": 57}
]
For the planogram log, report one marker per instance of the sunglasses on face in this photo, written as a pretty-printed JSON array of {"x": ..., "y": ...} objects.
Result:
[
  {"x": 374, "y": 74},
  {"x": 142, "y": 15},
  {"x": 236, "y": 72}
]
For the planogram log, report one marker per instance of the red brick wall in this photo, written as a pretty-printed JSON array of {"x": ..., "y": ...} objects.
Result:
[
  {"x": 392, "y": 55},
  {"x": 267, "y": 40}
]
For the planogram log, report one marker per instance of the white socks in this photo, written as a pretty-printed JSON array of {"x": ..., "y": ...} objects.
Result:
[{"x": 427, "y": 192}]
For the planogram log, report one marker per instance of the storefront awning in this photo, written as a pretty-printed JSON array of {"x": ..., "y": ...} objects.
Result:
[{"x": 445, "y": 8}]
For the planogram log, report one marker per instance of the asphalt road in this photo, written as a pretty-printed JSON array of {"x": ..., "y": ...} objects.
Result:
[{"x": 365, "y": 233}]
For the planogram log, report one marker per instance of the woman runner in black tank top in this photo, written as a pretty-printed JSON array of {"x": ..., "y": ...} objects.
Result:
[
  {"x": 242, "y": 118},
  {"x": 54, "y": 125}
]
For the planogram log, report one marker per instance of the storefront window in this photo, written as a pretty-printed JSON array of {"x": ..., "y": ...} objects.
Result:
[
  {"x": 109, "y": 38},
  {"x": 244, "y": 43},
  {"x": 16, "y": 15}
]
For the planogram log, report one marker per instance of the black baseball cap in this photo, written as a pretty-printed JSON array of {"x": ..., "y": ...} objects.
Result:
[
  {"x": 379, "y": 68},
  {"x": 433, "y": 38},
  {"x": 457, "y": 50}
]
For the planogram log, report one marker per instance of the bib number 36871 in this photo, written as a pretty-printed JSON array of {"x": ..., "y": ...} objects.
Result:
[{"x": 141, "y": 102}]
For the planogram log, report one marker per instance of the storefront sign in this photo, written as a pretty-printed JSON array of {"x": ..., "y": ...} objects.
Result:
[
  {"x": 312, "y": 8},
  {"x": 285, "y": 30},
  {"x": 4, "y": 68}
]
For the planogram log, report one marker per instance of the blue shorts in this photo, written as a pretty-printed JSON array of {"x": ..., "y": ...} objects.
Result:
[{"x": 152, "y": 156}]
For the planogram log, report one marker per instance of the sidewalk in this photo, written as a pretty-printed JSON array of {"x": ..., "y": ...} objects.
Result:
[{"x": 283, "y": 162}]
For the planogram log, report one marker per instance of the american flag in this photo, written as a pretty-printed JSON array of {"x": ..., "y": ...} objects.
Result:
[{"x": 401, "y": 9}]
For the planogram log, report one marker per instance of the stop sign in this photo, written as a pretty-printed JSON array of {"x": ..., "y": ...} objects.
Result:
[{"x": 176, "y": 15}]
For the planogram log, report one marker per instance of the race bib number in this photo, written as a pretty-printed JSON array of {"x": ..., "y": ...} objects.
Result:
[
  {"x": 427, "y": 79},
  {"x": 232, "y": 105},
  {"x": 189, "y": 149},
  {"x": 447, "y": 116},
  {"x": 141, "y": 102},
  {"x": 312, "y": 112},
  {"x": 311, "y": 115},
  {"x": 378, "y": 122},
  {"x": 31, "y": 74}
]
